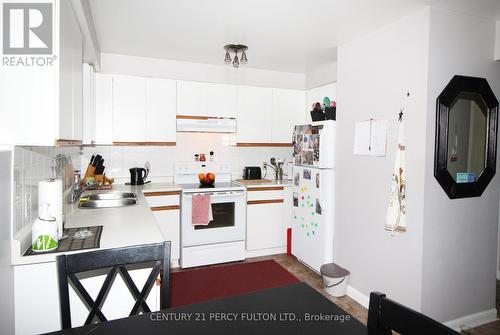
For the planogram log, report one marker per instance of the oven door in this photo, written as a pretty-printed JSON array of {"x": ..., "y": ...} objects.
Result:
[{"x": 228, "y": 224}]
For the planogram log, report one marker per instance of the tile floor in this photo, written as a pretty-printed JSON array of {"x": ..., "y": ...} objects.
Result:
[{"x": 349, "y": 305}]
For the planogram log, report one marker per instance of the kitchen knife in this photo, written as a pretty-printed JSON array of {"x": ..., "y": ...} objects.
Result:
[
  {"x": 97, "y": 159},
  {"x": 100, "y": 167},
  {"x": 92, "y": 159}
]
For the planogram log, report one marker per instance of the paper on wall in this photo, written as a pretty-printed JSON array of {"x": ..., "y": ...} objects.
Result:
[{"x": 370, "y": 138}]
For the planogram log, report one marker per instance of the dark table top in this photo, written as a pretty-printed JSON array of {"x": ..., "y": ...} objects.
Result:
[{"x": 290, "y": 309}]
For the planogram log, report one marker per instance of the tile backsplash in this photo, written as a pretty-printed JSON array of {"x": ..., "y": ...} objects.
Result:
[
  {"x": 32, "y": 164},
  {"x": 118, "y": 159}
]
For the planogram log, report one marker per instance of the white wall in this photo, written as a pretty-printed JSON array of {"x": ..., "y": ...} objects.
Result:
[
  {"x": 119, "y": 159},
  {"x": 374, "y": 74},
  {"x": 497, "y": 41},
  {"x": 171, "y": 69},
  {"x": 460, "y": 236},
  {"x": 321, "y": 75},
  {"x": 6, "y": 269}
]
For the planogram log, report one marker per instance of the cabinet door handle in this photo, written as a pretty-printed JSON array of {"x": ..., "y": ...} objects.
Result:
[
  {"x": 165, "y": 208},
  {"x": 260, "y": 202}
]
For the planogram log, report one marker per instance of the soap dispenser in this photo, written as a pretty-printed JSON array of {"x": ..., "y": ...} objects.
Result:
[{"x": 44, "y": 231}]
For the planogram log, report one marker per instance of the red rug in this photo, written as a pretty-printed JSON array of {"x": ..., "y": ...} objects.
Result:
[{"x": 197, "y": 285}]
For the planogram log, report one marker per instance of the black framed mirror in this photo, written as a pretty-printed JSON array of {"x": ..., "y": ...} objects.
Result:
[{"x": 466, "y": 137}]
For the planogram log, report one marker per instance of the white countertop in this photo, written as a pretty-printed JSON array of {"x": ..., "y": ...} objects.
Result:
[
  {"x": 267, "y": 182},
  {"x": 122, "y": 226}
]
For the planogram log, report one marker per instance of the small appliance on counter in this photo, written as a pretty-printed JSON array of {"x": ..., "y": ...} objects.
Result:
[
  {"x": 44, "y": 231},
  {"x": 138, "y": 176},
  {"x": 252, "y": 173}
]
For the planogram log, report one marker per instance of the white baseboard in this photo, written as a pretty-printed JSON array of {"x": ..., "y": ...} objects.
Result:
[
  {"x": 357, "y": 296},
  {"x": 498, "y": 275},
  {"x": 264, "y": 252},
  {"x": 473, "y": 320}
]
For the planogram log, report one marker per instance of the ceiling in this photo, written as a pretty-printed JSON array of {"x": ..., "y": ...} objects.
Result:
[{"x": 282, "y": 35}]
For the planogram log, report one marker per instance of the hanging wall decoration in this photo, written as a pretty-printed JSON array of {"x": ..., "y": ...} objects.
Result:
[{"x": 395, "y": 220}]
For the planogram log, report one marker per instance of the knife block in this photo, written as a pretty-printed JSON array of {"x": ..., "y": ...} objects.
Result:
[{"x": 89, "y": 172}]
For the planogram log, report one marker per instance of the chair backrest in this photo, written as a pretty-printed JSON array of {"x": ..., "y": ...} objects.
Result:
[
  {"x": 385, "y": 315},
  {"x": 116, "y": 260}
]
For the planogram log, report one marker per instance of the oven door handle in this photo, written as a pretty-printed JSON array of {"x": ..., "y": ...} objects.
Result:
[{"x": 215, "y": 195}]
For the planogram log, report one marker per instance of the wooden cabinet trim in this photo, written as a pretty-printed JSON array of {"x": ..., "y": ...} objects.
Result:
[
  {"x": 165, "y": 208},
  {"x": 268, "y": 188},
  {"x": 200, "y": 117},
  {"x": 165, "y": 144},
  {"x": 160, "y": 193},
  {"x": 239, "y": 144},
  {"x": 261, "y": 202},
  {"x": 64, "y": 142}
]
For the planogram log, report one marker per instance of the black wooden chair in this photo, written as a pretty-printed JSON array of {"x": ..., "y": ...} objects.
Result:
[
  {"x": 385, "y": 315},
  {"x": 116, "y": 260}
]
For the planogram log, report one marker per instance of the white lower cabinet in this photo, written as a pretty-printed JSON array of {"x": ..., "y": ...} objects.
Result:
[
  {"x": 165, "y": 206},
  {"x": 268, "y": 215},
  {"x": 169, "y": 223},
  {"x": 37, "y": 297}
]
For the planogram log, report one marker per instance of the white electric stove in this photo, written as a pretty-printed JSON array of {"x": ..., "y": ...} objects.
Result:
[{"x": 223, "y": 239}]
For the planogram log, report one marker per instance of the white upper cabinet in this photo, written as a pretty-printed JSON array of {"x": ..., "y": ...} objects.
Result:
[
  {"x": 221, "y": 100},
  {"x": 288, "y": 111},
  {"x": 41, "y": 103},
  {"x": 129, "y": 109},
  {"x": 70, "y": 75},
  {"x": 103, "y": 104},
  {"x": 160, "y": 110},
  {"x": 206, "y": 99},
  {"x": 255, "y": 107},
  {"x": 191, "y": 98}
]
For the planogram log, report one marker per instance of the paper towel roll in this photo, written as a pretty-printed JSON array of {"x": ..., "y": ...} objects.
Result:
[{"x": 51, "y": 192}]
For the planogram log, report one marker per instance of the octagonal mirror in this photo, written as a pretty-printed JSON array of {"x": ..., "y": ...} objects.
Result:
[{"x": 466, "y": 131}]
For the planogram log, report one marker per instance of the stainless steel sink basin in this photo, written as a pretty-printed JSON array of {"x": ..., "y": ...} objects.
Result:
[
  {"x": 108, "y": 203},
  {"x": 109, "y": 196}
]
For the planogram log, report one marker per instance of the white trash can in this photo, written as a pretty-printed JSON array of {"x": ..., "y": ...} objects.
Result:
[{"x": 334, "y": 279}]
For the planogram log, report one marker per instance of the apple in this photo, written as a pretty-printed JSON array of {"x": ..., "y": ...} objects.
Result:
[
  {"x": 201, "y": 176},
  {"x": 211, "y": 176}
]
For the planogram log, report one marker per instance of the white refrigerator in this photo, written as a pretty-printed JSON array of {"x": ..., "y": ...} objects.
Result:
[{"x": 313, "y": 193}]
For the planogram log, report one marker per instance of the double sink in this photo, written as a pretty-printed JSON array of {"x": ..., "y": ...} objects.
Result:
[{"x": 107, "y": 200}]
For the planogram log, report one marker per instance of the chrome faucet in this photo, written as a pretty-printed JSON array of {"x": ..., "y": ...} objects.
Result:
[
  {"x": 76, "y": 189},
  {"x": 277, "y": 166}
]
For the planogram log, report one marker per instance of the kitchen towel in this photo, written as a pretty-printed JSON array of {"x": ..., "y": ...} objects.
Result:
[
  {"x": 50, "y": 191},
  {"x": 201, "y": 211},
  {"x": 395, "y": 219}
]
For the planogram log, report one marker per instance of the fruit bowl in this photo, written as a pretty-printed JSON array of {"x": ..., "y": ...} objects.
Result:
[{"x": 207, "y": 180}]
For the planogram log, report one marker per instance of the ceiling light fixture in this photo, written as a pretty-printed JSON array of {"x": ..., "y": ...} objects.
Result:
[{"x": 236, "y": 48}]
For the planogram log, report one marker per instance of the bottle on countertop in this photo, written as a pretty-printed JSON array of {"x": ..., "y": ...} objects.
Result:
[
  {"x": 202, "y": 158},
  {"x": 44, "y": 231},
  {"x": 211, "y": 156}
]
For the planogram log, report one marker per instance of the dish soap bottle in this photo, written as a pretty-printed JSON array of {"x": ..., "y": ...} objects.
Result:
[{"x": 44, "y": 231}]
